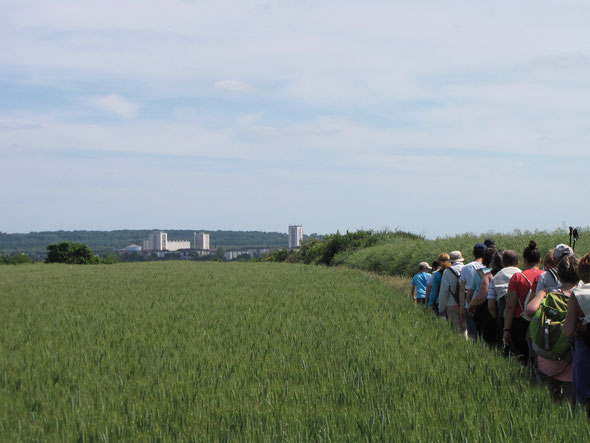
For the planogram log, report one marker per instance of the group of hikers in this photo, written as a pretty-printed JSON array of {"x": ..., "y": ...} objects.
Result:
[{"x": 537, "y": 311}]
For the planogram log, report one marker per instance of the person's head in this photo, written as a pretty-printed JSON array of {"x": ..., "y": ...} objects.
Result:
[
  {"x": 560, "y": 251},
  {"x": 424, "y": 267},
  {"x": 444, "y": 260},
  {"x": 531, "y": 253},
  {"x": 567, "y": 269},
  {"x": 479, "y": 250},
  {"x": 435, "y": 265},
  {"x": 549, "y": 260},
  {"x": 490, "y": 243},
  {"x": 496, "y": 263},
  {"x": 487, "y": 257},
  {"x": 510, "y": 258},
  {"x": 456, "y": 257},
  {"x": 584, "y": 268}
]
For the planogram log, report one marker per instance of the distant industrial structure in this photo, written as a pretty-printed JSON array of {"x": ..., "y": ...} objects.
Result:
[{"x": 295, "y": 236}]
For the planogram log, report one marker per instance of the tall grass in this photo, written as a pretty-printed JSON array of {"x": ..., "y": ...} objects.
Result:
[
  {"x": 248, "y": 352},
  {"x": 400, "y": 256}
]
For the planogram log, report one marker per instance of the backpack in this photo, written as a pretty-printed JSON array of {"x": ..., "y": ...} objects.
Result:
[
  {"x": 457, "y": 287},
  {"x": 545, "y": 328}
]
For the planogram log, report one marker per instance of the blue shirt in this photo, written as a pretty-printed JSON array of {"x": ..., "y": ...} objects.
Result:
[
  {"x": 436, "y": 278},
  {"x": 475, "y": 281},
  {"x": 419, "y": 281}
]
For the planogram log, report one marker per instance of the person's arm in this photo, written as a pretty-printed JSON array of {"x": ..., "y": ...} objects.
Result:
[
  {"x": 412, "y": 293},
  {"x": 533, "y": 305},
  {"x": 443, "y": 294},
  {"x": 462, "y": 301},
  {"x": 511, "y": 299},
  {"x": 569, "y": 326},
  {"x": 492, "y": 307},
  {"x": 482, "y": 294}
]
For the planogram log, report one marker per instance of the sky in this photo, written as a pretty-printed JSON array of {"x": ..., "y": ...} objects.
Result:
[{"x": 433, "y": 117}]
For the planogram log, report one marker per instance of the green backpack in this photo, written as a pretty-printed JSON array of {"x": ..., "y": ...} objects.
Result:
[{"x": 545, "y": 328}]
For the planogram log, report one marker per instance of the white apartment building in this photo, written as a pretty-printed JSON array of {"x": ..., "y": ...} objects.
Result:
[
  {"x": 158, "y": 241},
  {"x": 295, "y": 236},
  {"x": 202, "y": 241}
]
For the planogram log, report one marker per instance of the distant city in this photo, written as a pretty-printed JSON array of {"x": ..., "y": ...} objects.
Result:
[{"x": 157, "y": 243}]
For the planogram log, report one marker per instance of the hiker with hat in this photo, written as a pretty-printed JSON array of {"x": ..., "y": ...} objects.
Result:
[
  {"x": 477, "y": 292},
  {"x": 444, "y": 263},
  {"x": 448, "y": 296},
  {"x": 434, "y": 270},
  {"x": 419, "y": 283},
  {"x": 467, "y": 274},
  {"x": 553, "y": 357},
  {"x": 549, "y": 281}
]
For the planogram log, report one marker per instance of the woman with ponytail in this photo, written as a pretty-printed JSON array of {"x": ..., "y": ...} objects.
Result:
[{"x": 576, "y": 328}]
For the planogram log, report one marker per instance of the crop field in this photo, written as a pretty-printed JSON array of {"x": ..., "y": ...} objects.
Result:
[{"x": 169, "y": 351}]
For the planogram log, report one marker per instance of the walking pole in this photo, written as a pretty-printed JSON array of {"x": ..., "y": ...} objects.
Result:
[
  {"x": 570, "y": 237},
  {"x": 575, "y": 238}
]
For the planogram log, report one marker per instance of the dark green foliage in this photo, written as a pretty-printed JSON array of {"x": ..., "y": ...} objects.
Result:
[
  {"x": 109, "y": 259},
  {"x": 15, "y": 259},
  {"x": 70, "y": 253}
]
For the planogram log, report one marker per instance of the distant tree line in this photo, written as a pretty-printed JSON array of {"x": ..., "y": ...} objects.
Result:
[
  {"x": 15, "y": 259},
  {"x": 111, "y": 240}
]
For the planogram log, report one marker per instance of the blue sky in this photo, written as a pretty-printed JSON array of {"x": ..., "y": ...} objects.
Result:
[{"x": 433, "y": 117}]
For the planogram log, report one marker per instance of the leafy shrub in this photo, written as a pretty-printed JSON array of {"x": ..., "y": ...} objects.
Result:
[
  {"x": 70, "y": 253},
  {"x": 15, "y": 259}
]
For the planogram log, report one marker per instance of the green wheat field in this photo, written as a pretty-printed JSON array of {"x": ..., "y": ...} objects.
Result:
[{"x": 189, "y": 351}]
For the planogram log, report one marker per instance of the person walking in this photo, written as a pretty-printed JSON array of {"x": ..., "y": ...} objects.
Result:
[
  {"x": 516, "y": 326},
  {"x": 419, "y": 283},
  {"x": 448, "y": 296},
  {"x": 469, "y": 270}
]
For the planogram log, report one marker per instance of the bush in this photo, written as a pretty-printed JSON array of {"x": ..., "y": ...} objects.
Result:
[
  {"x": 15, "y": 259},
  {"x": 71, "y": 253}
]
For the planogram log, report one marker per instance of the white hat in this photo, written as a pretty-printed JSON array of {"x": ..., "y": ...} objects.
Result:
[
  {"x": 456, "y": 256},
  {"x": 424, "y": 265}
]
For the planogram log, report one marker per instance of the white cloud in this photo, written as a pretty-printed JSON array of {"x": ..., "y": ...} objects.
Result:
[
  {"x": 116, "y": 104},
  {"x": 233, "y": 86}
]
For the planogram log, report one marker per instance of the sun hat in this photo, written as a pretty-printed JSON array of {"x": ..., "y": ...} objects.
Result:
[
  {"x": 456, "y": 256},
  {"x": 424, "y": 265}
]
